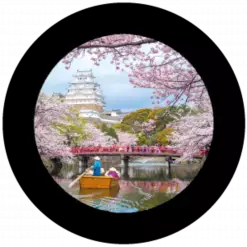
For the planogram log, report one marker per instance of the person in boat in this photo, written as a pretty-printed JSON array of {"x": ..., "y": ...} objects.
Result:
[
  {"x": 96, "y": 167},
  {"x": 112, "y": 172},
  {"x": 90, "y": 171}
]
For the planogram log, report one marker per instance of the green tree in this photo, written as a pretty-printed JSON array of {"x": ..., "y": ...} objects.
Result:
[
  {"x": 123, "y": 127},
  {"x": 138, "y": 116},
  {"x": 153, "y": 139},
  {"x": 109, "y": 131},
  {"x": 152, "y": 114},
  {"x": 132, "y": 123},
  {"x": 166, "y": 115},
  {"x": 142, "y": 139},
  {"x": 104, "y": 127},
  {"x": 163, "y": 136},
  {"x": 97, "y": 125}
]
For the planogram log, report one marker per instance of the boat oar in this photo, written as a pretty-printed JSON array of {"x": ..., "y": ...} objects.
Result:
[{"x": 77, "y": 179}]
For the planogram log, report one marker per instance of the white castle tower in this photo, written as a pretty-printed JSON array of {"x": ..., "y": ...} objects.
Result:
[{"x": 85, "y": 94}]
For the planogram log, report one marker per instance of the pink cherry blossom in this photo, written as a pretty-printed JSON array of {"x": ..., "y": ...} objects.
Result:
[
  {"x": 164, "y": 70},
  {"x": 126, "y": 138},
  {"x": 148, "y": 126},
  {"x": 97, "y": 137},
  {"x": 192, "y": 133},
  {"x": 49, "y": 111}
]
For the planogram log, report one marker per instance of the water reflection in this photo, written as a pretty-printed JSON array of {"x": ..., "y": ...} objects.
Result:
[
  {"x": 147, "y": 186},
  {"x": 130, "y": 197}
]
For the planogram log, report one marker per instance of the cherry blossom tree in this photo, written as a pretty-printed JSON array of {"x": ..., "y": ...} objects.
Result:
[
  {"x": 149, "y": 126},
  {"x": 126, "y": 138},
  {"x": 192, "y": 133},
  {"x": 48, "y": 140},
  {"x": 96, "y": 137},
  {"x": 72, "y": 126},
  {"x": 149, "y": 63},
  {"x": 152, "y": 64}
]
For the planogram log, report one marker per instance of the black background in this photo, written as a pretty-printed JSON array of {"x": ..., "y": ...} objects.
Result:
[{"x": 175, "y": 32}]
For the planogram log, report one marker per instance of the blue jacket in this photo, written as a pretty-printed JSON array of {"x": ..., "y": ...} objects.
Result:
[{"x": 96, "y": 168}]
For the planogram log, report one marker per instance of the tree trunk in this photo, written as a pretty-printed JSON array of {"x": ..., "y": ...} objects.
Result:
[
  {"x": 169, "y": 170},
  {"x": 56, "y": 166},
  {"x": 126, "y": 167}
]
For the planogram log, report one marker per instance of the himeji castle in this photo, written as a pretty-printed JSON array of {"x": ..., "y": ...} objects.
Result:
[{"x": 85, "y": 94}]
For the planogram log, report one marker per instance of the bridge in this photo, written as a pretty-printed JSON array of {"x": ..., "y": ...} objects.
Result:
[
  {"x": 84, "y": 157},
  {"x": 84, "y": 153},
  {"x": 89, "y": 154}
]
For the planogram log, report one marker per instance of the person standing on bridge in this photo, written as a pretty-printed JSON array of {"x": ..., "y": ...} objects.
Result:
[
  {"x": 96, "y": 166},
  {"x": 132, "y": 148}
]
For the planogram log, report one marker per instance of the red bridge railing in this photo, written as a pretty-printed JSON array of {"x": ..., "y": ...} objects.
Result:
[{"x": 135, "y": 149}]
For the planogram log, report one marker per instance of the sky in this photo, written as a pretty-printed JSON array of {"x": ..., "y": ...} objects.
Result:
[{"x": 119, "y": 93}]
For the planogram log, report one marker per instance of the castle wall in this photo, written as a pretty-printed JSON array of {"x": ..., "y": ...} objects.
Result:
[{"x": 94, "y": 107}]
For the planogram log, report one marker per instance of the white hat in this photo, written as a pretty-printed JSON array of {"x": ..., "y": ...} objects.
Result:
[
  {"x": 97, "y": 158},
  {"x": 112, "y": 169}
]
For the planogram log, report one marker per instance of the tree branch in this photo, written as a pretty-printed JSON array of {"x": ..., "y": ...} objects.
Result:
[
  {"x": 162, "y": 64},
  {"x": 178, "y": 97},
  {"x": 137, "y": 43}
]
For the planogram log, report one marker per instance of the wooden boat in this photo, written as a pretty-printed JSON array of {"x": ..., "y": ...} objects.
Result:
[
  {"x": 99, "y": 193},
  {"x": 98, "y": 182}
]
